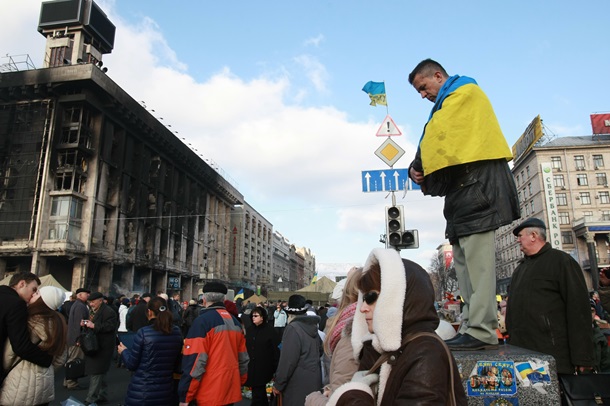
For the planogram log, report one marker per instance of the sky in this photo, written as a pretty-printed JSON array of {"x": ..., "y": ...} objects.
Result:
[{"x": 270, "y": 93}]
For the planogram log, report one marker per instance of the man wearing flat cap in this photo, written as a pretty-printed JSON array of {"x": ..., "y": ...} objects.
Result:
[
  {"x": 548, "y": 307},
  {"x": 78, "y": 311},
  {"x": 103, "y": 321},
  {"x": 215, "y": 359}
]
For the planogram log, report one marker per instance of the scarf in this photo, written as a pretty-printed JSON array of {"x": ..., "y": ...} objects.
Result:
[
  {"x": 462, "y": 128},
  {"x": 346, "y": 316}
]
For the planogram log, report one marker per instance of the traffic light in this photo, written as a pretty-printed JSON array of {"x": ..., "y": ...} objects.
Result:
[{"x": 397, "y": 236}]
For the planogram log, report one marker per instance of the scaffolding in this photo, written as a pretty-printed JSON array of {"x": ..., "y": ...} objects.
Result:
[{"x": 16, "y": 63}]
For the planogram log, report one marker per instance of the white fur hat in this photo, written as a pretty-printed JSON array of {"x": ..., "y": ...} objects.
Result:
[{"x": 53, "y": 297}]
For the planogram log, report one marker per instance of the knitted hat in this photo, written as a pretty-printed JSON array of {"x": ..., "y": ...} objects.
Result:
[
  {"x": 53, "y": 297},
  {"x": 331, "y": 312},
  {"x": 296, "y": 305}
]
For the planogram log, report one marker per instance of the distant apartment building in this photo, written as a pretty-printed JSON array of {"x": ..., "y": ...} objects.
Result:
[
  {"x": 250, "y": 264},
  {"x": 564, "y": 182},
  {"x": 309, "y": 266}
]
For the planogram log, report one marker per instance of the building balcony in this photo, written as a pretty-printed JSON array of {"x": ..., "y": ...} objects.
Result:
[{"x": 590, "y": 224}]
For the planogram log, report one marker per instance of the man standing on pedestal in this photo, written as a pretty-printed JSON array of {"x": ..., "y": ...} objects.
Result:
[{"x": 463, "y": 156}]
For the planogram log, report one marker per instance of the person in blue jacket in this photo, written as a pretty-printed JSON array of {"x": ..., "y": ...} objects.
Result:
[{"x": 154, "y": 356}]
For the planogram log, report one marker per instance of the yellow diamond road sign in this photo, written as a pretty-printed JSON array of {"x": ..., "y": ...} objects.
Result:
[{"x": 389, "y": 152}]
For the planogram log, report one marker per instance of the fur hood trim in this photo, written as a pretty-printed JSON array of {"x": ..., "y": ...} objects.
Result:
[
  {"x": 388, "y": 315},
  {"x": 334, "y": 398}
]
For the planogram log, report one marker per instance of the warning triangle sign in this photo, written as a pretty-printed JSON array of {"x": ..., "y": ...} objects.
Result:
[{"x": 388, "y": 128}]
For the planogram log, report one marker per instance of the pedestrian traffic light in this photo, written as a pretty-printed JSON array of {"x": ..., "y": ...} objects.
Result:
[{"x": 397, "y": 236}]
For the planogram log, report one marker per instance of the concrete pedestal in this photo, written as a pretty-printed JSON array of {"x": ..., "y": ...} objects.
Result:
[{"x": 526, "y": 396}]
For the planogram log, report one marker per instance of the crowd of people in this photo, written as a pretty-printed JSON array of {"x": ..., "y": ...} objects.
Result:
[{"x": 378, "y": 345}]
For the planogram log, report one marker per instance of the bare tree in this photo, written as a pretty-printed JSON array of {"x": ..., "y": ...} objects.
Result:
[{"x": 443, "y": 279}]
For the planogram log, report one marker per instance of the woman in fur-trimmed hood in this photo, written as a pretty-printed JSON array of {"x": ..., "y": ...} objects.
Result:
[{"x": 396, "y": 304}]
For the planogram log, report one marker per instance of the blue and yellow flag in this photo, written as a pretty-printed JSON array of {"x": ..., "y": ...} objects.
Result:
[
  {"x": 376, "y": 91},
  {"x": 315, "y": 278},
  {"x": 239, "y": 295}
]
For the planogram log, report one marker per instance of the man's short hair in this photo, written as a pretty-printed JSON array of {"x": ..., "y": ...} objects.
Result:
[
  {"x": 214, "y": 297},
  {"x": 426, "y": 68},
  {"x": 23, "y": 276}
]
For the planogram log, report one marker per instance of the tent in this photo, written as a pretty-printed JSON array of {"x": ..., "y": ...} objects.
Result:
[
  {"x": 256, "y": 299},
  {"x": 323, "y": 285},
  {"x": 46, "y": 280}
]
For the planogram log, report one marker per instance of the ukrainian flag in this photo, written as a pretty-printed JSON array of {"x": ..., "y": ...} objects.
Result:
[
  {"x": 524, "y": 369},
  {"x": 315, "y": 278},
  {"x": 376, "y": 91},
  {"x": 239, "y": 295}
]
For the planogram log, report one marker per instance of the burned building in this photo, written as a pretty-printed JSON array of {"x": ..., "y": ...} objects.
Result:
[{"x": 93, "y": 189}]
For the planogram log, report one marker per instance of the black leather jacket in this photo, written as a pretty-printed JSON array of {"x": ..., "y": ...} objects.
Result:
[{"x": 479, "y": 196}]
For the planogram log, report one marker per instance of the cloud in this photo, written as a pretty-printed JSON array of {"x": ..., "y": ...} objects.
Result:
[
  {"x": 314, "y": 70},
  {"x": 298, "y": 165},
  {"x": 315, "y": 41}
]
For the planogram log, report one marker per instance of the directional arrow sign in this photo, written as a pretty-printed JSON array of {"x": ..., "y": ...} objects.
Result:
[{"x": 387, "y": 180}]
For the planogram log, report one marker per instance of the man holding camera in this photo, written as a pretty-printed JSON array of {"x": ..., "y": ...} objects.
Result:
[{"x": 103, "y": 321}]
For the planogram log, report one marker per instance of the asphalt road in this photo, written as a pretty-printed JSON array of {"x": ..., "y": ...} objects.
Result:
[{"x": 117, "y": 379}]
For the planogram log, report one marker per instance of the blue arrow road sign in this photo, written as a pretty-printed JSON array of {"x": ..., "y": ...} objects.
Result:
[{"x": 387, "y": 180}]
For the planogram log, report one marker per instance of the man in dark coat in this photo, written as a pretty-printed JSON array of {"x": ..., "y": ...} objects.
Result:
[
  {"x": 548, "y": 309},
  {"x": 137, "y": 319},
  {"x": 14, "y": 319},
  {"x": 463, "y": 156},
  {"x": 103, "y": 321}
]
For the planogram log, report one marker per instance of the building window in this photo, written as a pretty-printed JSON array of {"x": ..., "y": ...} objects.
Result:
[
  {"x": 66, "y": 218},
  {"x": 601, "y": 179},
  {"x": 604, "y": 197},
  {"x": 562, "y": 199},
  {"x": 558, "y": 181},
  {"x": 581, "y": 179},
  {"x": 519, "y": 195},
  {"x": 556, "y": 162},
  {"x": 585, "y": 198},
  {"x": 588, "y": 215},
  {"x": 566, "y": 237},
  {"x": 529, "y": 188},
  {"x": 564, "y": 218},
  {"x": 517, "y": 180},
  {"x": 579, "y": 162},
  {"x": 527, "y": 169},
  {"x": 606, "y": 215},
  {"x": 598, "y": 161},
  {"x": 532, "y": 206}
]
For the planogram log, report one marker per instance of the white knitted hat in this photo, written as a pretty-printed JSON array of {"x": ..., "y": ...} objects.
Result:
[{"x": 53, "y": 297}]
